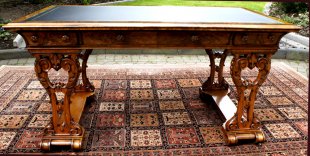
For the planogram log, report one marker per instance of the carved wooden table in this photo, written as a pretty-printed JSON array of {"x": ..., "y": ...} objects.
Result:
[{"x": 60, "y": 36}]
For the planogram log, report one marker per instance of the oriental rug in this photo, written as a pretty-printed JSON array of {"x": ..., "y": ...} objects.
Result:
[{"x": 154, "y": 110}]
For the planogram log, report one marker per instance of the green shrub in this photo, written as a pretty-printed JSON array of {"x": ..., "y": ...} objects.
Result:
[
  {"x": 292, "y": 7},
  {"x": 4, "y": 35},
  {"x": 293, "y": 12},
  {"x": 86, "y": 2},
  {"x": 40, "y": 1}
]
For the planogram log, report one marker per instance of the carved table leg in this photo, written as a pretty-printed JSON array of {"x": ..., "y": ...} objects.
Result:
[
  {"x": 211, "y": 85},
  {"x": 84, "y": 56},
  {"x": 243, "y": 125},
  {"x": 64, "y": 129}
]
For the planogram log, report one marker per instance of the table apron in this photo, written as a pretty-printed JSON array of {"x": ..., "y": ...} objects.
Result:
[{"x": 151, "y": 39}]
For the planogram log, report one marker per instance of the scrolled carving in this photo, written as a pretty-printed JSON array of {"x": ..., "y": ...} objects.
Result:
[
  {"x": 72, "y": 66},
  {"x": 61, "y": 120},
  {"x": 55, "y": 60},
  {"x": 246, "y": 104},
  {"x": 42, "y": 66},
  {"x": 76, "y": 129}
]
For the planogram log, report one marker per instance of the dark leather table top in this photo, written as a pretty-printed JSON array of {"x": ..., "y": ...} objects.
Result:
[{"x": 151, "y": 14}]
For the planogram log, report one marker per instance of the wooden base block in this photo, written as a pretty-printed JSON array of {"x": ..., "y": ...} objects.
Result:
[
  {"x": 59, "y": 141},
  {"x": 227, "y": 109},
  {"x": 234, "y": 137},
  {"x": 78, "y": 101}
]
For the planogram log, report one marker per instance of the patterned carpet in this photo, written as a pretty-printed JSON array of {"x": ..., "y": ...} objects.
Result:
[{"x": 154, "y": 110}]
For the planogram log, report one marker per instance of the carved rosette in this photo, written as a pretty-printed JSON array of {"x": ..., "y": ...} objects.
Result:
[
  {"x": 211, "y": 84},
  {"x": 62, "y": 123},
  {"x": 246, "y": 103}
]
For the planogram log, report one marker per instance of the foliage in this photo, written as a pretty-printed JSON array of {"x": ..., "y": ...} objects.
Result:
[
  {"x": 4, "y": 35},
  {"x": 85, "y": 2},
  {"x": 292, "y": 7},
  {"x": 293, "y": 12},
  {"x": 40, "y": 1},
  {"x": 3, "y": 21}
]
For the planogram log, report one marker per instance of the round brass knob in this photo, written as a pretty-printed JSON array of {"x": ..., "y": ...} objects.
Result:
[
  {"x": 34, "y": 38},
  {"x": 65, "y": 38}
]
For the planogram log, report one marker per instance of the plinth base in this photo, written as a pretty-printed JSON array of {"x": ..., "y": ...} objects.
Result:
[
  {"x": 78, "y": 101},
  {"x": 227, "y": 109},
  {"x": 75, "y": 142},
  {"x": 234, "y": 137}
]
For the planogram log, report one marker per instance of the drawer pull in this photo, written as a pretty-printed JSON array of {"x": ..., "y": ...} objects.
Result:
[
  {"x": 271, "y": 37},
  {"x": 65, "y": 38},
  {"x": 34, "y": 38},
  {"x": 245, "y": 38},
  {"x": 120, "y": 37},
  {"x": 195, "y": 38}
]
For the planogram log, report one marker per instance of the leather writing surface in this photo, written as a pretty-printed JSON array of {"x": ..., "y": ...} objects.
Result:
[{"x": 151, "y": 14}]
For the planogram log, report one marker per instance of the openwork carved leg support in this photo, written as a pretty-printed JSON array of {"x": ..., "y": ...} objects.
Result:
[
  {"x": 211, "y": 85},
  {"x": 64, "y": 129},
  {"x": 244, "y": 125}
]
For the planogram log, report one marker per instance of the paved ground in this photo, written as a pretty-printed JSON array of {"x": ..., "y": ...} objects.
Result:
[{"x": 300, "y": 66}]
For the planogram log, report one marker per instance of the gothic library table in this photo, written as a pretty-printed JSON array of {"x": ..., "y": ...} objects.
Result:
[{"x": 60, "y": 37}]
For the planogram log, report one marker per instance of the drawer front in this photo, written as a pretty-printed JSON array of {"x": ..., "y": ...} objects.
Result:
[
  {"x": 51, "y": 39},
  {"x": 119, "y": 38},
  {"x": 154, "y": 39},
  {"x": 257, "y": 38},
  {"x": 193, "y": 39}
]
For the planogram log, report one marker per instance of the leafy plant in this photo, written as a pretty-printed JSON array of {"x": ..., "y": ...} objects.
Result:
[
  {"x": 3, "y": 21},
  {"x": 40, "y": 1},
  {"x": 86, "y": 2},
  {"x": 293, "y": 12},
  {"x": 292, "y": 7},
  {"x": 4, "y": 35}
]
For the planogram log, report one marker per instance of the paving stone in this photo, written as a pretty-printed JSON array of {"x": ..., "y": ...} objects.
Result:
[
  {"x": 13, "y": 62},
  {"x": 135, "y": 58},
  {"x": 101, "y": 57},
  {"x": 21, "y": 61},
  {"x": 4, "y": 62},
  {"x": 93, "y": 57},
  {"x": 92, "y": 61}
]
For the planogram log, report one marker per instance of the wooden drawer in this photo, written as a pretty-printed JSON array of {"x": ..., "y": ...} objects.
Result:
[
  {"x": 257, "y": 38},
  {"x": 119, "y": 38},
  {"x": 193, "y": 39},
  {"x": 50, "y": 39},
  {"x": 154, "y": 39}
]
